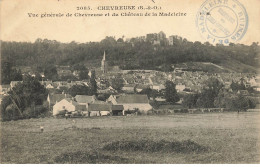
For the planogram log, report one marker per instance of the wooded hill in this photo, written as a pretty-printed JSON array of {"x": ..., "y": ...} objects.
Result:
[{"x": 135, "y": 54}]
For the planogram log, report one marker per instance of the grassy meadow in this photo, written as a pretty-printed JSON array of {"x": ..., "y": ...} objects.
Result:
[{"x": 178, "y": 138}]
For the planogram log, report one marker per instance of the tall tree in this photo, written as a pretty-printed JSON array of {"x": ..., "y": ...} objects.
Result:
[
  {"x": 78, "y": 90},
  {"x": 190, "y": 100},
  {"x": 83, "y": 71},
  {"x": 117, "y": 83},
  {"x": 235, "y": 86},
  {"x": 209, "y": 93},
  {"x": 8, "y": 73},
  {"x": 150, "y": 93},
  {"x": 171, "y": 92},
  {"x": 50, "y": 72},
  {"x": 83, "y": 75},
  {"x": 93, "y": 83}
]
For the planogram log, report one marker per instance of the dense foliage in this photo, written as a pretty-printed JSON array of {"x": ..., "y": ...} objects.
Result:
[
  {"x": 151, "y": 93},
  {"x": 209, "y": 93},
  {"x": 135, "y": 55},
  {"x": 171, "y": 92},
  {"x": 8, "y": 73},
  {"x": 214, "y": 95},
  {"x": 78, "y": 90},
  {"x": 93, "y": 84},
  {"x": 25, "y": 100},
  {"x": 117, "y": 83},
  {"x": 83, "y": 71}
]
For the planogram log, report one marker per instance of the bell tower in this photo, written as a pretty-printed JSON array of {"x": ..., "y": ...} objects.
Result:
[{"x": 104, "y": 63}]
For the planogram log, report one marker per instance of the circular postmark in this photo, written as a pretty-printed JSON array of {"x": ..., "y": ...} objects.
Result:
[{"x": 222, "y": 21}]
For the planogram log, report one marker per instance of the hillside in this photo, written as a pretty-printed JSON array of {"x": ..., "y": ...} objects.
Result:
[
  {"x": 236, "y": 66},
  {"x": 42, "y": 54},
  {"x": 225, "y": 66}
]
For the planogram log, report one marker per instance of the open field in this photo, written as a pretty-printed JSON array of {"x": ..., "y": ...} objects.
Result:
[{"x": 179, "y": 138}]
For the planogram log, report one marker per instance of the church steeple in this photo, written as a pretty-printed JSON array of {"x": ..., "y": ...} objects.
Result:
[
  {"x": 104, "y": 63},
  {"x": 104, "y": 56}
]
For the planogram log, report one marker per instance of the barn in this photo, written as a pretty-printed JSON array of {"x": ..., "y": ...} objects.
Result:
[
  {"x": 99, "y": 109},
  {"x": 131, "y": 102},
  {"x": 117, "y": 110}
]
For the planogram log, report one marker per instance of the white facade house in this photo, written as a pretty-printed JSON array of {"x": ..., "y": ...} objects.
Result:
[
  {"x": 64, "y": 105},
  {"x": 158, "y": 87},
  {"x": 180, "y": 87},
  {"x": 67, "y": 105}
]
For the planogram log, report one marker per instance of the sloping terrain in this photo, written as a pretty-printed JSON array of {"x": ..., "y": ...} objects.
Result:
[
  {"x": 236, "y": 66},
  {"x": 223, "y": 67}
]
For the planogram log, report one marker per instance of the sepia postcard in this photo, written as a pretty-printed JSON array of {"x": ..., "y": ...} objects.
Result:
[{"x": 129, "y": 82}]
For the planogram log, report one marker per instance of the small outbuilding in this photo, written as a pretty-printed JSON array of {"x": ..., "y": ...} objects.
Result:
[
  {"x": 99, "y": 109},
  {"x": 117, "y": 110}
]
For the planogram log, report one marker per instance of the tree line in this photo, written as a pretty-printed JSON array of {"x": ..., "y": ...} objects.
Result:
[
  {"x": 127, "y": 55},
  {"x": 214, "y": 95}
]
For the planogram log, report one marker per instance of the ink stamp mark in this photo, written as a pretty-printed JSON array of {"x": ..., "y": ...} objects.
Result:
[{"x": 222, "y": 21}]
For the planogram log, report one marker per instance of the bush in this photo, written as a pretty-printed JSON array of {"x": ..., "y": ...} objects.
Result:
[
  {"x": 186, "y": 146},
  {"x": 11, "y": 113},
  {"x": 136, "y": 111},
  {"x": 35, "y": 112}
]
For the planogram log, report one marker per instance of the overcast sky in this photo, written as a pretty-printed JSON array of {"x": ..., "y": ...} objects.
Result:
[{"x": 17, "y": 26}]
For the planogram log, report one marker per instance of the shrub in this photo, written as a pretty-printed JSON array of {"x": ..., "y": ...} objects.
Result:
[
  {"x": 11, "y": 113},
  {"x": 35, "y": 111},
  {"x": 186, "y": 146}
]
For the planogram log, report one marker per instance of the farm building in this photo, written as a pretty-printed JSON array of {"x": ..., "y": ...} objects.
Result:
[
  {"x": 117, "y": 110},
  {"x": 54, "y": 98},
  {"x": 130, "y": 88},
  {"x": 99, "y": 109},
  {"x": 131, "y": 102},
  {"x": 84, "y": 99},
  {"x": 67, "y": 105}
]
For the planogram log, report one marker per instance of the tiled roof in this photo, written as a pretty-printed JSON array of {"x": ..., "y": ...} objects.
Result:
[
  {"x": 84, "y": 99},
  {"x": 117, "y": 107},
  {"x": 130, "y": 85},
  {"x": 99, "y": 107},
  {"x": 81, "y": 107},
  {"x": 58, "y": 97},
  {"x": 141, "y": 86},
  {"x": 132, "y": 99}
]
